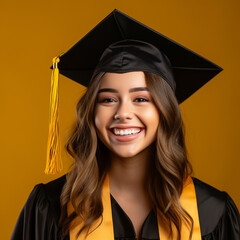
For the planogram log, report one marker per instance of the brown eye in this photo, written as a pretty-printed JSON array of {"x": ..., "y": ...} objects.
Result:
[
  {"x": 141, "y": 99},
  {"x": 107, "y": 100}
]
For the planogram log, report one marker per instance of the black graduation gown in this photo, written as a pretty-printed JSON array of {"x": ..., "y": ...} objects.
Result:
[{"x": 38, "y": 220}]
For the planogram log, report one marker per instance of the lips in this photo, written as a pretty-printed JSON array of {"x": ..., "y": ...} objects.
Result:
[{"x": 125, "y": 133}]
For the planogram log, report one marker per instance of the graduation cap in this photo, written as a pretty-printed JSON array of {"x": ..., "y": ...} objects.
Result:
[{"x": 121, "y": 44}]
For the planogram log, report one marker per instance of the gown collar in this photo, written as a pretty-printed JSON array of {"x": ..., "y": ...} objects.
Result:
[{"x": 103, "y": 228}]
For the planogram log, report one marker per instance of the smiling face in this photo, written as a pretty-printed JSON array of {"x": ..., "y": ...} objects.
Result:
[{"x": 126, "y": 117}]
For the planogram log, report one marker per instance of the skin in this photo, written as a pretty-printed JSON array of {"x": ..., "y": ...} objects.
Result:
[{"x": 125, "y": 102}]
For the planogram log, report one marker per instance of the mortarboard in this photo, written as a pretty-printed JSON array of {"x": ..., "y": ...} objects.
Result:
[
  {"x": 190, "y": 70},
  {"x": 120, "y": 37}
]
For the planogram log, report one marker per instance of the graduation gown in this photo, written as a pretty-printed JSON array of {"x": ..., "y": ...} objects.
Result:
[{"x": 218, "y": 216}]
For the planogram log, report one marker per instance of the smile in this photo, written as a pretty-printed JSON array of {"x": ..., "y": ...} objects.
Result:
[{"x": 126, "y": 132}]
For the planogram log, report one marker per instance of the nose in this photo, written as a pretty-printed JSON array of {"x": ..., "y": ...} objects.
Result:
[{"x": 124, "y": 111}]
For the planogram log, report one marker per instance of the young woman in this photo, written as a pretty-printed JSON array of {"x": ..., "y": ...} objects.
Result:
[{"x": 131, "y": 177}]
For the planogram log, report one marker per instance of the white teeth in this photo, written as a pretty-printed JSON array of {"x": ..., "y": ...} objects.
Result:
[{"x": 125, "y": 132}]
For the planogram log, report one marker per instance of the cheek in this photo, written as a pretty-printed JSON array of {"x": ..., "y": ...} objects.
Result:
[
  {"x": 102, "y": 118},
  {"x": 99, "y": 119},
  {"x": 151, "y": 117}
]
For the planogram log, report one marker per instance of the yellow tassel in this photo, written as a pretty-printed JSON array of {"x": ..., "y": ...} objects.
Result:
[{"x": 54, "y": 161}]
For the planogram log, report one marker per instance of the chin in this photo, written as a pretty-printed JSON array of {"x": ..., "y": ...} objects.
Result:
[{"x": 125, "y": 153}]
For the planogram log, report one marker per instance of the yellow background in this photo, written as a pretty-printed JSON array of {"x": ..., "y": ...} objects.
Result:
[{"x": 33, "y": 32}]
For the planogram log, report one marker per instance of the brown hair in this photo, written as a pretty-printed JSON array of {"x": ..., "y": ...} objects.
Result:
[{"x": 171, "y": 165}]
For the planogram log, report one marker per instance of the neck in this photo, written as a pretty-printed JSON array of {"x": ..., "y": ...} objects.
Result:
[{"x": 129, "y": 174}]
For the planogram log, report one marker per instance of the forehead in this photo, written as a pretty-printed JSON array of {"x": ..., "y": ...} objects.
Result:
[{"x": 123, "y": 80}]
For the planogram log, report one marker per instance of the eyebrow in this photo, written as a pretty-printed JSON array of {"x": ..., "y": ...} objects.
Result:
[{"x": 138, "y": 89}]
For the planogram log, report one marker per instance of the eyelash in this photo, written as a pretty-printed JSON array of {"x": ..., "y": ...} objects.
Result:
[
  {"x": 144, "y": 99},
  {"x": 109, "y": 100}
]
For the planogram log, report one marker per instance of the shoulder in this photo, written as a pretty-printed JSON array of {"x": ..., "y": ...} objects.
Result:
[
  {"x": 207, "y": 196},
  {"x": 217, "y": 210},
  {"x": 48, "y": 193},
  {"x": 49, "y": 196},
  {"x": 52, "y": 190},
  {"x": 39, "y": 216},
  {"x": 43, "y": 194}
]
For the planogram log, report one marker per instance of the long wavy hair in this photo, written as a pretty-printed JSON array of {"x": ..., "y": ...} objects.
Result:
[{"x": 170, "y": 165}]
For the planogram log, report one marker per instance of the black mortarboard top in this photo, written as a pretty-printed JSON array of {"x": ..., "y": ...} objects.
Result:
[
  {"x": 121, "y": 44},
  {"x": 190, "y": 70}
]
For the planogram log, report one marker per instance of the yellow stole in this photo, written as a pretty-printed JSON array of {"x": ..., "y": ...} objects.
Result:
[{"x": 103, "y": 229}]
